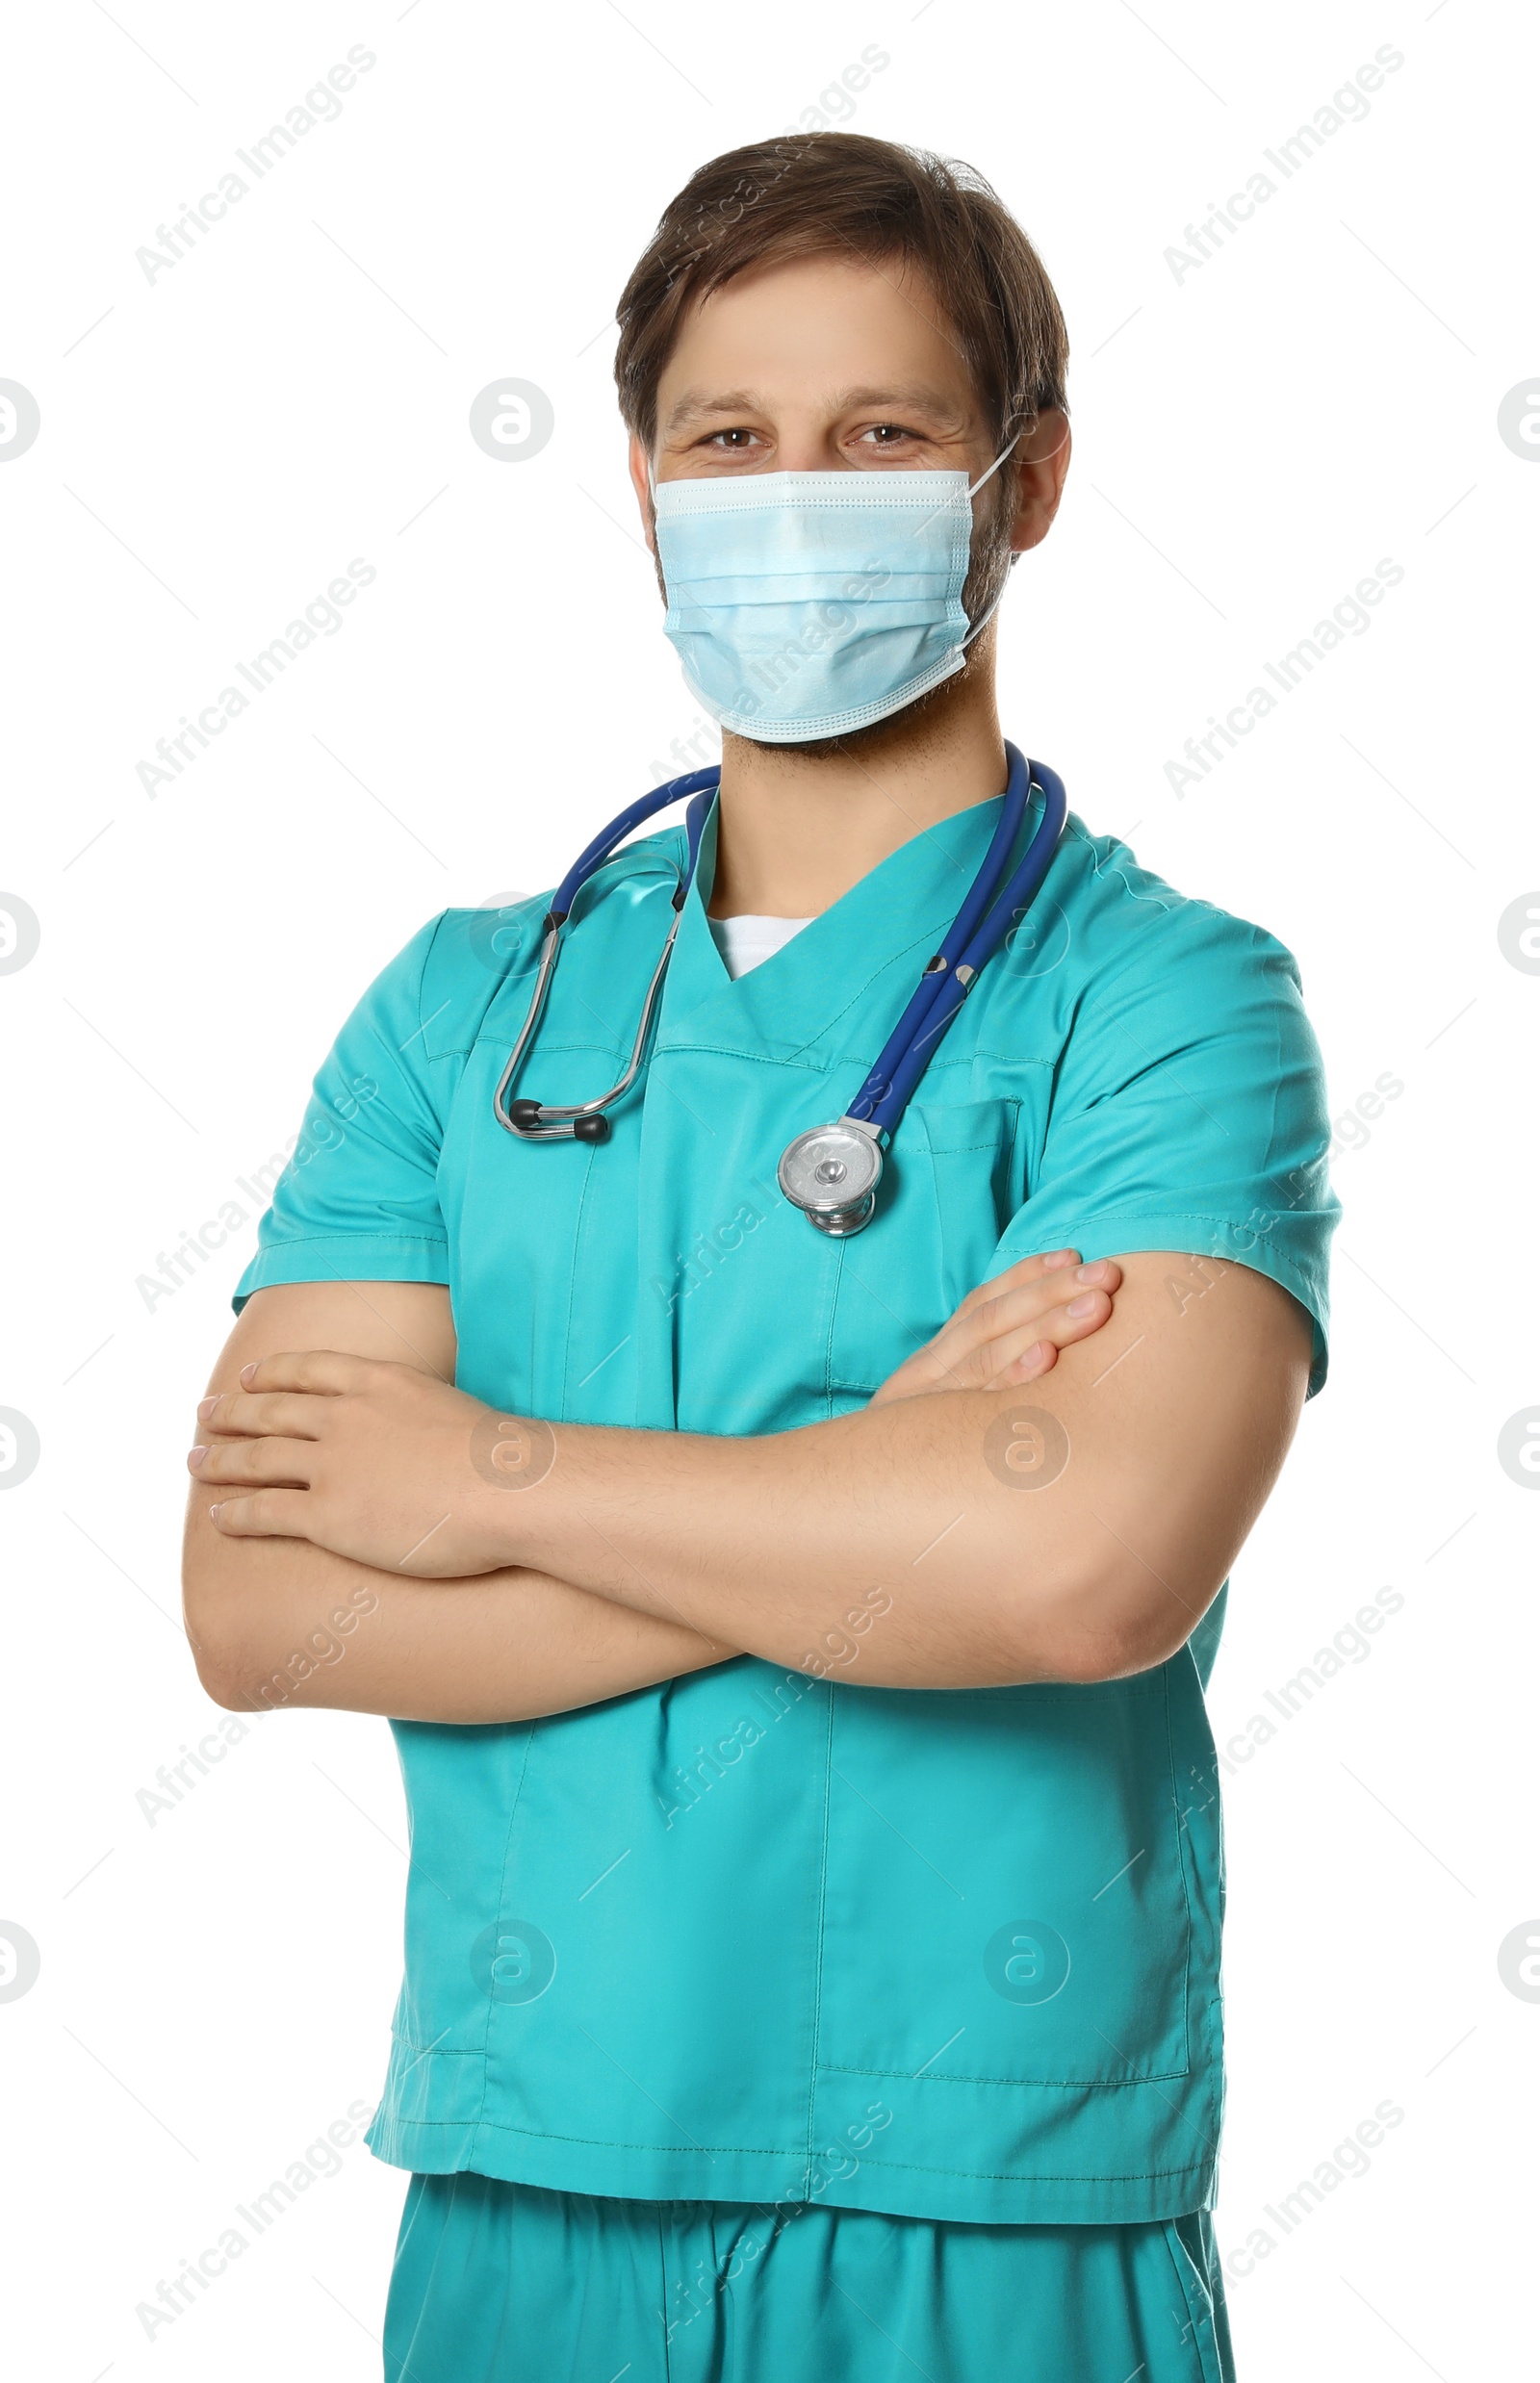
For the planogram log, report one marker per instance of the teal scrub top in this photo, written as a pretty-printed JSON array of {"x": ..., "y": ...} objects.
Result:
[{"x": 754, "y": 1935}]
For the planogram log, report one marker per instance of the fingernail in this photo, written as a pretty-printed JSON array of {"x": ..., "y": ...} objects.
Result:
[
  {"x": 1090, "y": 1273},
  {"x": 1084, "y": 1305},
  {"x": 1060, "y": 1257},
  {"x": 206, "y": 1407},
  {"x": 195, "y": 1456},
  {"x": 246, "y": 1372},
  {"x": 214, "y": 1513}
]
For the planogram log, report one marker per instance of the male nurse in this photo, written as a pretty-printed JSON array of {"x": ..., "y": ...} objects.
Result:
[{"x": 796, "y": 1642}]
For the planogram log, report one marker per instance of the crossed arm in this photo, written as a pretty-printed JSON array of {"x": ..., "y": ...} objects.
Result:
[{"x": 1033, "y": 1497}]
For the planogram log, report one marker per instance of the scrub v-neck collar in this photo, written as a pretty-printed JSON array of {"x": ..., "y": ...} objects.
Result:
[{"x": 891, "y": 921}]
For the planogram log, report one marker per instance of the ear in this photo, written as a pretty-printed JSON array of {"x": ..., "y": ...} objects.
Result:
[
  {"x": 1041, "y": 479},
  {"x": 644, "y": 494}
]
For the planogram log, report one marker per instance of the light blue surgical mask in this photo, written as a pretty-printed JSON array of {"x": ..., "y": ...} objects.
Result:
[{"x": 811, "y": 604}]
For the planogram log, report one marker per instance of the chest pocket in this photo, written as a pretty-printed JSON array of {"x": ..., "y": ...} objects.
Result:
[{"x": 954, "y": 1179}]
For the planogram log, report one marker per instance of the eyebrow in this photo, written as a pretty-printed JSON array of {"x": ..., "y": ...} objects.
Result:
[{"x": 700, "y": 405}]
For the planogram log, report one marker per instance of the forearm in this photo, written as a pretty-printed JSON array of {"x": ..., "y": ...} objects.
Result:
[
  {"x": 879, "y": 1539},
  {"x": 1076, "y": 1531},
  {"x": 958, "y": 1538},
  {"x": 275, "y": 1623}
]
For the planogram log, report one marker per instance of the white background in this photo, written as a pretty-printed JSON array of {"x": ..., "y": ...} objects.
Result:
[{"x": 1251, "y": 438}]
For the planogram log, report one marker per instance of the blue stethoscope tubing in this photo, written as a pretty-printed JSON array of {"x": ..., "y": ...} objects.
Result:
[{"x": 976, "y": 932}]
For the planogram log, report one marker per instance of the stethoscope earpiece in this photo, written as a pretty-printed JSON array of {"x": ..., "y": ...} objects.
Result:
[{"x": 528, "y": 1118}]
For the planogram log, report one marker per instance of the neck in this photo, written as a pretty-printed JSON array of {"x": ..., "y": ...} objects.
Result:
[{"x": 797, "y": 828}]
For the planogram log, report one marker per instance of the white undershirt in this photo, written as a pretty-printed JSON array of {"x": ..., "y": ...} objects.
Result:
[{"x": 744, "y": 941}]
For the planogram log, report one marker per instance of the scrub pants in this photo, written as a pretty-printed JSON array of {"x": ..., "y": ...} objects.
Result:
[{"x": 505, "y": 2283}]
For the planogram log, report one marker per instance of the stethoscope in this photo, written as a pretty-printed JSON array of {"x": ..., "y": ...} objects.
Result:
[{"x": 831, "y": 1172}]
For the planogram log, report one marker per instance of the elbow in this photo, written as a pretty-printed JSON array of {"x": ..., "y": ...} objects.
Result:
[
  {"x": 1087, "y": 1655},
  {"x": 1115, "y": 1629},
  {"x": 230, "y": 1679},
  {"x": 218, "y": 1684},
  {"x": 1092, "y": 1658},
  {"x": 206, "y": 1617},
  {"x": 214, "y": 1667}
]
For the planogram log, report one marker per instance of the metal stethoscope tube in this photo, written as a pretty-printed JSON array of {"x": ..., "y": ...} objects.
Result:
[{"x": 587, "y": 1121}]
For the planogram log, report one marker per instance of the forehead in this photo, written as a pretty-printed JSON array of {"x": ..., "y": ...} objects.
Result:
[{"x": 813, "y": 327}]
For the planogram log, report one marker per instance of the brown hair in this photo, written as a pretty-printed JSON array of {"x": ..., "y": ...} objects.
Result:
[{"x": 831, "y": 194}]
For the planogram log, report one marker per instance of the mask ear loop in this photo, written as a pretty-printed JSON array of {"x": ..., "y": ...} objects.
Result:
[
  {"x": 652, "y": 500},
  {"x": 990, "y": 609},
  {"x": 996, "y": 466}
]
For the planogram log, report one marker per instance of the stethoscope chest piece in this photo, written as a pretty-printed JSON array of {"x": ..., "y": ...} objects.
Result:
[{"x": 832, "y": 1174}]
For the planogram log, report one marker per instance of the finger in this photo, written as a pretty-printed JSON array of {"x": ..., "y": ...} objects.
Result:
[
  {"x": 1044, "y": 1303},
  {"x": 1053, "y": 1280},
  {"x": 1002, "y": 1317},
  {"x": 925, "y": 1370},
  {"x": 281, "y": 1462},
  {"x": 294, "y": 1413},
  {"x": 1025, "y": 1270},
  {"x": 1000, "y": 1359},
  {"x": 982, "y": 1369},
  {"x": 1037, "y": 1358},
  {"x": 1018, "y": 1358},
  {"x": 1084, "y": 1316},
  {"x": 993, "y": 1356},
  {"x": 975, "y": 1366},
  {"x": 326, "y": 1371},
  {"x": 1030, "y": 1367},
  {"x": 1075, "y": 1293},
  {"x": 271, "y": 1514}
]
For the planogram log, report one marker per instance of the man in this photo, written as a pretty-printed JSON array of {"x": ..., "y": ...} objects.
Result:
[{"x": 795, "y": 1643}]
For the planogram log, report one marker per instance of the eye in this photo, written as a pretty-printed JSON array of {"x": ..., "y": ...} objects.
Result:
[
  {"x": 888, "y": 434},
  {"x": 734, "y": 442}
]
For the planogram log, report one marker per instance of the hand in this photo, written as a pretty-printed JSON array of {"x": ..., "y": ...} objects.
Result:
[
  {"x": 380, "y": 1462},
  {"x": 1012, "y": 1329}
]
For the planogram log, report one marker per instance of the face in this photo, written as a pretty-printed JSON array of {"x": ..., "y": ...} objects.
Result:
[{"x": 823, "y": 366}]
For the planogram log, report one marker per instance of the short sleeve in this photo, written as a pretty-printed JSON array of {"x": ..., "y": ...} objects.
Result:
[
  {"x": 1189, "y": 1113},
  {"x": 357, "y": 1199}
]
